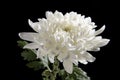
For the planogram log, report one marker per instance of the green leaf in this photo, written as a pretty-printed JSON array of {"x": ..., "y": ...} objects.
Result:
[
  {"x": 28, "y": 55},
  {"x": 61, "y": 72},
  {"x": 21, "y": 43},
  {"x": 56, "y": 66},
  {"x": 80, "y": 74},
  {"x": 36, "y": 65},
  {"x": 46, "y": 73},
  {"x": 67, "y": 78}
]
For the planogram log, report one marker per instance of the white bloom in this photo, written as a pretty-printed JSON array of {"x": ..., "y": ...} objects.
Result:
[{"x": 68, "y": 37}]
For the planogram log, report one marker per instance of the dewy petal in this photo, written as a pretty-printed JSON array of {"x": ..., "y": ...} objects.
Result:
[
  {"x": 29, "y": 36},
  {"x": 100, "y": 30},
  {"x": 32, "y": 46},
  {"x": 35, "y": 26},
  {"x": 68, "y": 66}
]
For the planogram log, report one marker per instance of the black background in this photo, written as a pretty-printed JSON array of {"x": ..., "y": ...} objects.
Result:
[{"x": 101, "y": 12}]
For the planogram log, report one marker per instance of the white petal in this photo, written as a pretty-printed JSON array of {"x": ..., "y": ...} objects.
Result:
[
  {"x": 88, "y": 20},
  {"x": 88, "y": 57},
  {"x": 100, "y": 30},
  {"x": 95, "y": 43},
  {"x": 75, "y": 62},
  {"x": 59, "y": 15},
  {"x": 68, "y": 65},
  {"x": 50, "y": 15},
  {"x": 51, "y": 58},
  {"x": 94, "y": 49},
  {"x": 62, "y": 56},
  {"x": 41, "y": 53},
  {"x": 32, "y": 46},
  {"x": 35, "y": 26},
  {"x": 83, "y": 62},
  {"x": 27, "y": 36},
  {"x": 103, "y": 42},
  {"x": 82, "y": 59},
  {"x": 73, "y": 58},
  {"x": 38, "y": 53},
  {"x": 44, "y": 25},
  {"x": 96, "y": 40}
]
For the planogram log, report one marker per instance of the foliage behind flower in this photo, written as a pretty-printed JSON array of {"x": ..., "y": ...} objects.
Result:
[{"x": 67, "y": 37}]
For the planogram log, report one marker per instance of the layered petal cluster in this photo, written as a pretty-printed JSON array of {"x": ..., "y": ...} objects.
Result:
[{"x": 68, "y": 37}]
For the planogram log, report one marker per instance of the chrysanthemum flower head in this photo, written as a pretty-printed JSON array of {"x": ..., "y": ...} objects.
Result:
[{"x": 68, "y": 37}]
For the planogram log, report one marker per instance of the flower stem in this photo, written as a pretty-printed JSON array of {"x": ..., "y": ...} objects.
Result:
[
  {"x": 52, "y": 74},
  {"x": 55, "y": 68}
]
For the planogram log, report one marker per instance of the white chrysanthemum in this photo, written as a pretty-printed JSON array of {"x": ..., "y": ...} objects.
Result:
[{"x": 68, "y": 37}]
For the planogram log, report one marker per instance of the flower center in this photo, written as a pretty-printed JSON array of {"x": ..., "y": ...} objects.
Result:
[{"x": 67, "y": 28}]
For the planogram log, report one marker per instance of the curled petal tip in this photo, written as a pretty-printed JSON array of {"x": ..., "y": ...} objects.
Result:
[
  {"x": 30, "y": 22},
  {"x": 103, "y": 42},
  {"x": 107, "y": 41},
  {"x": 19, "y": 34},
  {"x": 100, "y": 30}
]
